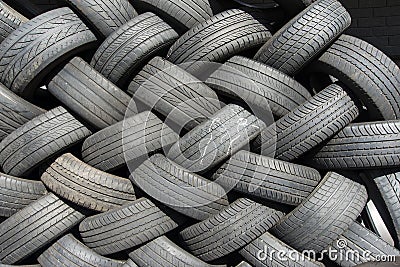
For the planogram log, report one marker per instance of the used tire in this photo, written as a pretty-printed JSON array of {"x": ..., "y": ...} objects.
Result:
[
  {"x": 87, "y": 93},
  {"x": 126, "y": 227},
  {"x": 326, "y": 214},
  {"x": 10, "y": 20},
  {"x": 267, "y": 178},
  {"x": 127, "y": 141},
  {"x": 183, "y": 99},
  {"x": 181, "y": 190},
  {"x": 82, "y": 184},
  {"x": 129, "y": 263},
  {"x": 17, "y": 193},
  {"x": 40, "y": 139},
  {"x": 30, "y": 54},
  {"x": 129, "y": 48},
  {"x": 34, "y": 227}
]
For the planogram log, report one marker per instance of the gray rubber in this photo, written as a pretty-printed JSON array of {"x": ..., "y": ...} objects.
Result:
[
  {"x": 129, "y": 48},
  {"x": 183, "y": 99},
  {"x": 181, "y": 190},
  {"x": 257, "y": 85},
  {"x": 267, "y": 178},
  {"x": 40, "y": 139},
  {"x": 162, "y": 252},
  {"x": 231, "y": 229},
  {"x": 370, "y": 75},
  {"x": 10, "y": 20},
  {"x": 243, "y": 264},
  {"x": 126, "y": 227},
  {"x": 82, "y": 184},
  {"x": 218, "y": 38},
  {"x": 14, "y": 111},
  {"x": 309, "y": 125},
  {"x": 129, "y": 140},
  {"x": 264, "y": 252},
  {"x": 34, "y": 227},
  {"x": 88, "y": 94},
  {"x": 305, "y": 36},
  {"x": 213, "y": 141},
  {"x": 329, "y": 211},
  {"x": 129, "y": 263},
  {"x": 360, "y": 240},
  {"x": 361, "y": 146},
  {"x": 68, "y": 251},
  {"x": 17, "y": 193},
  {"x": 105, "y": 16},
  {"x": 39, "y": 45}
]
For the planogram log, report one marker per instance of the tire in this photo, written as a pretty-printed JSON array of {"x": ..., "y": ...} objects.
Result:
[
  {"x": 88, "y": 94},
  {"x": 257, "y": 85},
  {"x": 40, "y": 139},
  {"x": 10, "y": 20},
  {"x": 129, "y": 263},
  {"x": 68, "y": 251},
  {"x": 267, "y": 178},
  {"x": 209, "y": 144},
  {"x": 326, "y": 214},
  {"x": 126, "y": 227},
  {"x": 181, "y": 190},
  {"x": 218, "y": 38},
  {"x": 360, "y": 240},
  {"x": 264, "y": 251},
  {"x": 361, "y": 146},
  {"x": 31, "y": 53},
  {"x": 17, "y": 193},
  {"x": 183, "y": 99},
  {"x": 231, "y": 229},
  {"x": 34, "y": 227},
  {"x": 127, "y": 141},
  {"x": 305, "y": 36},
  {"x": 128, "y": 49},
  {"x": 243, "y": 264},
  {"x": 162, "y": 252},
  {"x": 371, "y": 76},
  {"x": 85, "y": 186},
  {"x": 309, "y": 125},
  {"x": 260, "y": 4},
  {"x": 104, "y": 16},
  {"x": 14, "y": 112}
]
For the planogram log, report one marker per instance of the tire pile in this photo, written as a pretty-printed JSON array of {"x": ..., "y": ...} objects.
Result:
[{"x": 194, "y": 133}]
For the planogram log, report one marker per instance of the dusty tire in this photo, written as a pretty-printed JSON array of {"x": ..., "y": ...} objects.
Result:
[
  {"x": 40, "y": 139},
  {"x": 361, "y": 146},
  {"x": 34, "y": 227},
  {"x": 213, "y": 141},
  {"x": 85, "y": 186},
  {"x": 129, "y": 140},
  {"x": 301, "y": 40},
  {"x": 88, "y": 94},
  {"x": 39, "y": 45},
  {"x": 17, "y": 193},
  {"x": 257, "y": 85},
  {"x": 309, "y": 125},
  {"x": 10, "y": 20},
  {"x": 129, "y": 263},
  {"x": 105, "y": 16},
  {"x": 181, "y": 190},
  {"x": 183, "y": 99},
  {"x": 267, "y": 178},
  {"x": 126, "y": 227},
  {"x": 326, "y": 214},
  {"x": 68, "y": 251},
  {"x": 129, "y": 48}
]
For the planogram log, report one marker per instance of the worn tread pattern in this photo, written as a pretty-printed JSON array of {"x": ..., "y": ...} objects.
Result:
[
  {"x": 83, "y": 185},
  {"x": 267, "y": 178},
  {"x": 31, "y": 52},
  {"x": 126, "y": 50},
  {"x": 129, "y": 263},
  {"x": 17, "y": 193},
  {"x": 39, "y": 139},
  {"x": 87, "y": 93},
  {"x": 326, "y": 214},
  {"x": 231, "y": 229},
  {"x": 34, "y": 227},
  {"x": 126, "y": 227},
  {"x": 10, "y": 20}
]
